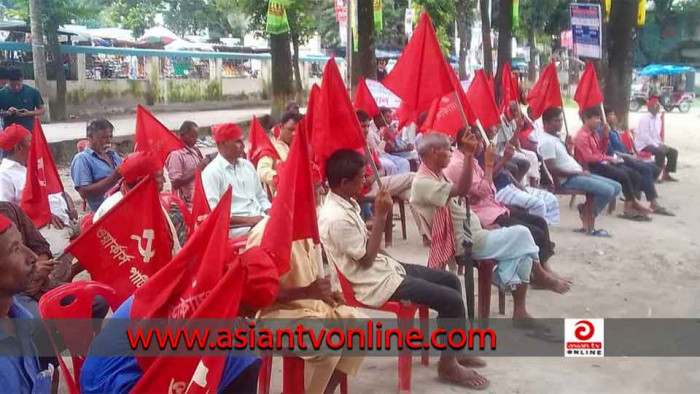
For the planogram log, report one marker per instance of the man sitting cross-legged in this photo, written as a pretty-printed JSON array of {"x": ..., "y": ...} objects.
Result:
[
  {"x": 377, "y": 278},
  {"x": 437, "y": 202},
  {"x": 649, "y": 139},
  {"x": 567, "y": 174},
  {"x": 590, "y": 151},
  {"x": 492, "y": 213},
  {"x": 303, "y": 296}
]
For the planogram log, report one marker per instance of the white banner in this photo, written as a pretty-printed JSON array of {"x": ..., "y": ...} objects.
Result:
[{"x": 383, "y": 96}]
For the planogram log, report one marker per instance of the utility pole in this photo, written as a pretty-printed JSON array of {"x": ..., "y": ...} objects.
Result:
[{"x": 39, "y": 53}]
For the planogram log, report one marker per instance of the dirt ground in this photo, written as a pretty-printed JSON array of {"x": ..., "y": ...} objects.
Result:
[{"x": 647, "y": 270}]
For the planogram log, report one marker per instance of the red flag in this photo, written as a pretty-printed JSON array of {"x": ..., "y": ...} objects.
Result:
[
  {"x": 406, "y": 115},
  {"x": 480, "y": 97},
  {"x": 293, "y": 212},
  {"x": 308, "y": 119},
  {"x": 42, "y": 179},
  {"x": 260, "y": 144},
  {"x": 507, "y": 93},
  {"x": 151, "y": 135},
  {"x": 444, "y": 116},
  {"x": 129, "y": 244},
  {"x": 545, "y": 93},
  {"x": 588, "y": 92},
  {"x": 421, "y": 74},
  {"x": 335, "y": 124},
  {"x": 200, "y": 205},
  {"x": 364, "y": 100},
  {"x": 457, "y": 86}
]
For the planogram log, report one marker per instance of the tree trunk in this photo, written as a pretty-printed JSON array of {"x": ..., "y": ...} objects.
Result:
[
  {"x": 282, "y": 87},
  {"x": 621, "y": 37},
  {"x": 505, "y": 40},
  {"x": 531, "y": 69},
  {"x": 38, "y": 53},
  {"x": 58, "y": 107},
  {"x": 363, "y": 63},
  {"x": 464, "y": 30},
  {"x": 486, "y": 36},
  {"x": 298, "y": 88}
]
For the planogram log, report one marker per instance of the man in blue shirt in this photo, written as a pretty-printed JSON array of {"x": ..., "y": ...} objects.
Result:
[
  {"x": 110, "y": 366},
  {"x": 649, "y": 171},
  {"x": 19, "y": 363},
  {"x": 96, "y": 169},
  {"x": 20, "y": 103}
]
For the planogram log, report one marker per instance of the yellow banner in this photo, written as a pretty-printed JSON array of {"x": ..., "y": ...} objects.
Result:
[
  {"x": 642, "y": 13},
  {"x": 607, "y": 9}
]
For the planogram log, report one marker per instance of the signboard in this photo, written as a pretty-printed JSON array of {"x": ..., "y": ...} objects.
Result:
[
  {"x": 566, "y": 39},
  {"x": 408, "y": 22},
  {"x": 383, "y": 96},
  {"x": 586, "y": 30}
]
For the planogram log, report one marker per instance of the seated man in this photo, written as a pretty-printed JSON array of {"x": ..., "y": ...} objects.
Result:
[
  {"x": 567, "y": 173},
  {"x": 377, "y": 278},
  {"x": 490, "y": 212},
  {"x": 250, "y": 203},
  {"x": 93, "y": 170},
  {"x": 436, "y": 201},
  {"x": 395, "y": 145},
  {"x": 137, "y": 166},
  {"x": 392, "y": 164},
  {"x": 267, "y": 166},
  {"x": 15, "y": 142},
  {"x": 20, "y": 366},
  {"x": 183, "y": 164},
  {"x": 648, "y": 139},
  {"x": 532, "y": 177},
  {"x": 590, "y": 152},
  {"x": 397, "y": 185},
  {"x": 303, "y": 295},
  {"x": 647, "y": 170}
]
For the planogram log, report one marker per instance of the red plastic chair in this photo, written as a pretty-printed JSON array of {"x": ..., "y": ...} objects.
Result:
[
  {"x": 405, "y": 313},
  {"x": 86, "y": 222},
  {"x": 168, "y": 199},
  {"x": 237, "y": 245},
  {"x": 70, "y": 302},
  {"x": 292, "y": 376},
  {"x": 80, "y": 146}
]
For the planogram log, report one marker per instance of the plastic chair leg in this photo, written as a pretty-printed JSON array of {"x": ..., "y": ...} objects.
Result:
[
  {"x": 405, "y": 356},
  {"x": 265, "y": 375},
  {"x": 423, "y": 315},
  {"x": 469, "y": 286},
  {"x": 501, "y": 302},
  {"x": 292, "y": 375},
  {"x": 402, "y": 211},
  {"x": 485, "y": 276}
]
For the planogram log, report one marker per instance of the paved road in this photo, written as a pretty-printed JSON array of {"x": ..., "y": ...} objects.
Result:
[{"x": 124, "y": 124}]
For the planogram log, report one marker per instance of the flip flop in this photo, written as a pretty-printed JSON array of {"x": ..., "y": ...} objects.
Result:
[
  {"x": 663, "y": 211},
  {"x": 601, "y": 233},
  {"x": 635, "y": 217}
]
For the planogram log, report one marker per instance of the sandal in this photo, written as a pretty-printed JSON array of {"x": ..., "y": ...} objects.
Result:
[
  {"x": 663, "y": 211},
  {"x": 635, "y": 217},
  {"x": 601, "y": 233}
]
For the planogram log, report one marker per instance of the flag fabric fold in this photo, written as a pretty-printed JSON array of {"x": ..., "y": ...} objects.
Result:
[
  {"x": 588, "y": 93},
  {"x": 507, "y": 93},
  {"x": 200, "y": 205},
  {"x": 444, "y": 116},
  {"x": 480, "y": 96},
  {"x": 293, "y": 212},
  {"x": 260, "y": 144},
  {"x": 129, "y": 244},
  {"x": 363, "y": 99},
  {"x": 421, "y": 74},
  {"x": 308, "y": 119},
  {"x": 42, "y": 179},
  {"x": 335, "y": 125},
  {"x": 545, "y": 93},
  {"x": 151, "y": 135}
]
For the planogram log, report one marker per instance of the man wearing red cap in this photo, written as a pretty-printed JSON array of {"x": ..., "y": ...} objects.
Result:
[
  {"x": 250, "y": 203},
  {"x": 648, "y": 139},
  {"x": 15, "y": 141},
  {"x": 20, "y": 368}
]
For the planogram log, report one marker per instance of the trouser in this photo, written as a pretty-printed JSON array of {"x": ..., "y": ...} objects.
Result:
[
  {"x": 648, "y": 172},
  {"x": 394, "y": 165},
  {"x": 538, "y": 229},
  {"x": 246, "y": 382},
  {"x": 535, "y": 201},
  {"x": 664, "y": 155},
  {"x": 628, "y": 178},
  {"x": 518, "y": 167},
  {"x": 397, "y": 185},
  {"x": 604, "y": 190},
  {"x": 439, "y": 290}
]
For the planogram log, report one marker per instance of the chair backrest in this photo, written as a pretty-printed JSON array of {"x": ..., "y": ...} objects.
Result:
[
  {"x": 86, "y": 222},
  {"x": 346, "y": 288},
  {"x": 237, "y": 245},
  {"x": 168, "y": 199},
  {"x": 81, "y": 145},
  {"x": 71, "y": 305}
]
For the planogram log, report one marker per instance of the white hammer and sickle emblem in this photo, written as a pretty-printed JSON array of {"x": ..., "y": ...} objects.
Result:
[{"x": 148, "y": 253}]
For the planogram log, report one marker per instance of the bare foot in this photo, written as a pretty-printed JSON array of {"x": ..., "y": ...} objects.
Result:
[
  {"x": 452, "y": 372},
  {"x": 551, "y": 282},
  {"x": 471, "y": 362}
]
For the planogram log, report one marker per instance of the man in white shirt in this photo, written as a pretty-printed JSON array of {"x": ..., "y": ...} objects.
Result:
[
  {"x": 648, "y": 139},
  {"x": 250, "y": 203},
  {"x": 15, "y": 141},
  {"x": 567, "y": 174}
]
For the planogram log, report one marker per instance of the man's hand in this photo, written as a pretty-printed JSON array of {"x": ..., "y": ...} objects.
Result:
[
  {"x": 489, "y": 156},
  {"x": 44, "y": 269},
  {"x": 12, "y": 110},
  {"x": 321, "y": 289},
  {"x": 606, "y": 130},
  {"x": 509, "y": 152},
  {"x": 469, "y": 143},
  {"x": 56, "y": 222},
  {"x": 383, "y": 203}
]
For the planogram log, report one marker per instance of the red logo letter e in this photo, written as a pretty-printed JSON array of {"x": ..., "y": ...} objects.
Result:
[{"x": 584, "y": 330}]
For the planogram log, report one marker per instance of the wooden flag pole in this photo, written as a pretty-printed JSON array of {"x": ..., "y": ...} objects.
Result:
[
  {"x": 602, "y": 111},
  {"x": 566, "y": 125},
  {"x": 375, "y": 171}
]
